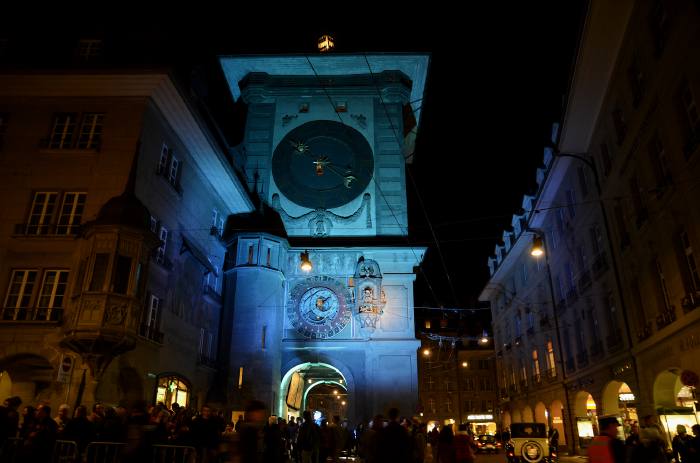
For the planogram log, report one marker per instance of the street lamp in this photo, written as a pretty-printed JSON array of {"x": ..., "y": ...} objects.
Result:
[{"x": 539, "y": 249}]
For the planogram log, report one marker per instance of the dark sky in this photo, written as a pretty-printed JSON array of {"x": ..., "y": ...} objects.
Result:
[{"x": 496, "y": 83}]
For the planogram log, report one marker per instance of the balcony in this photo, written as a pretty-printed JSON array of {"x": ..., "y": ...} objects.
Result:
[
  {"x": 645, "y": 332},
  {"x": 151, "y": 333},
  {"x": 600, "y": 265},
  {"x": 582, "y": 359},
  {"x": 34, "y": 315},
  {"x": 584, "y": 281},
  {"x": 666, "y": 317}
]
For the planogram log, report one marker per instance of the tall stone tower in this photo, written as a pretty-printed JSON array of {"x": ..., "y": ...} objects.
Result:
[{"x": 325, "y": 145}]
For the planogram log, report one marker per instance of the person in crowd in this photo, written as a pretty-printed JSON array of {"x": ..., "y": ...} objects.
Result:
[
  {"x": 369, "y": 439},
  {"x": 606, "y": 447},
  {"x": 681, "y": 444},
  {"x": 206, "y": 433},
  {"x": 291, "y": 435},
  {"x": 251, "y": 435},
  {"x": 419, "y": 442},
  {"x": 113, "y": 428},
  {"x": 694, "y": 445},
  {"x": 79, "y": 429},
  {"x": 446, "y": 448},
  {"x": 28, "y": 419},
  {"x": 9, "y": 419},
  {"x": 652, "y": 439},
  {"x": 239, "y": 422},
  {"x": 339, "y": 439},
  {"x": 272, "y": 439},
  {"x": 309, "y": 439},
  {"x": 464, "y": 445},
  {"x": 394, "y": 443},
  {"x": 62, "y": 418},
  {"x": 433, "y": 440},
  {"x": 327, "y": 441},
  {"x": 39, "y": 442}
]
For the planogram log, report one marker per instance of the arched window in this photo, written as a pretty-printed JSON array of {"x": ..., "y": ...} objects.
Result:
[{"x": 172, "y": 389}]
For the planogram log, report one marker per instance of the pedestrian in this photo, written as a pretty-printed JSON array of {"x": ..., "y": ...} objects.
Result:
[
  {"x": 681, "y": 444},
  {"x": 419, "y": 442},
  {"x": 62, "y": 418},
  {"x": 694, "y": 445},
  {"x": 274, "y": 446},
  {"x": 464, "y": 445},
  {"x": 394, "y": 443},
  {"x": 652, "y": 439},
  {"x": 367, "y": 447},
  {"x": 433, "y": 440},
  {"x": 446, "y": 448},
  {"x": 606, "y": 447},
  {"x": 309, "y": 439}
]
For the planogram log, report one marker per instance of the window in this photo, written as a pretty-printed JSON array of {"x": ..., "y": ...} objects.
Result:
[
  {"x": 90, "y": 131},
  {"x": 89, "y": 49},
  {"x": 535, "y": 365},
  {"x": 169, "y": 166},
  {"x": 690, "y": 261},
  {"x": 570, "y": 281},
  {"x": 663, "y": 289},
  {"x": 41, "y": 212},
  {"x": 612, "y": 316},
  {"x": 530, "y": 320},
  {"x": 53, "y": 289},
  {"x": 691, "y": 117},
  {"x": 64, "y": 127},
  {"x": 99, "y": 272},
  {"x": 251, "y": 249},
  {"x": 427, "y": 324},
  {"x": 551, "y": 365},
  {"x": 431, "y": 405},
  {"x": 20, "y": 291},
  {"x": 214, "y": 217},
  {"x": 212, "y": 281},
  {"x": 518, "y": 326},
  {"x": 523, "y": 273},
  {"x": 62, "y": 132},
  {"x": 153, "y": 314},
  {"x": 160, "y": 252},
  {"x": 122, "y": 273},
  {"x": 71, "y": 213},
  {"x": 154, "y": 225},
  {"x": 206, "y": 344}
]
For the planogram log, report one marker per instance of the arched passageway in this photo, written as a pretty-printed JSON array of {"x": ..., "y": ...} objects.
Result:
[
  {"x": 541, "y": 413},
  {"x": 557, "y": 420},
  {"x": 318, "y": 387}
]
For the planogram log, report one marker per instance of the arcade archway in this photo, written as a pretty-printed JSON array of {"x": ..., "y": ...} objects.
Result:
[
  {"x": 318, "y": 387},
  {"x": 527, "y": 415},
  {"x": 557, "y": 417},
  {"x": 26, "y": 375},
  {"x": 619, "y": 400},
  {"x": 674, "y": 401},
  {"x": 586, "y": 417},
  {"x": 541, "y": 413}
]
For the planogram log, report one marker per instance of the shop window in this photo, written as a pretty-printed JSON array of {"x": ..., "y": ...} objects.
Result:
[{"x": 172, "y": 389}]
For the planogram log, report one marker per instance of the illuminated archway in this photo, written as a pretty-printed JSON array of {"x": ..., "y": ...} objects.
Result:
[
  {"x": 667, "y": 385},
  {"x": 321, "y": 378},
  {"x": 540, "y": 413},
  {"x": 527, "y": 415},
  {"x": 618, "y": 399},
  {"x": 585, "y": 405}
]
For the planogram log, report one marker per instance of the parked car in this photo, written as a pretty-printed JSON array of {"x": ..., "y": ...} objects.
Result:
[
  {"x": 529, "y": 444},
  {"x": 486, "y": 443}
]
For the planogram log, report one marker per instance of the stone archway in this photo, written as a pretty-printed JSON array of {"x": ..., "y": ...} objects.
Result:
[
  {"x": 527, "y": 415},
  {"x": 517, "y": 416},
  {"x": 26, "y": 375},
  {"x": 541, "y": 413},
  {"x": 557, "y": 417},
  {"x": 506, "y": 420},
  {"x": 300, "y": 380},
  {"x": 666, "y": 387},
  {"x": 584, "y": 404}
]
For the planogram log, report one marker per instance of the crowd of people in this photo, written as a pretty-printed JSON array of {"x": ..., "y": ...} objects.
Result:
[
  {"x": 30, "y": 434},
  {"x": 644, "y": 445}
]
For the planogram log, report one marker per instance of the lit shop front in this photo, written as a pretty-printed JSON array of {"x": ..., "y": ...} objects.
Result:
[
  {"x": 676, "y": 401},
  {"x": 586, "y": 418},
  {"x": 482, "y": 424}
]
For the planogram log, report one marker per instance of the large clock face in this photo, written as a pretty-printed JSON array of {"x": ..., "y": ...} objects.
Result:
[
  {"x": 322, "y": 164},
  {"x": 318, "y": 307}
]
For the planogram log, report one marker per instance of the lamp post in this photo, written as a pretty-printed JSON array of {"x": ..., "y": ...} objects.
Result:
[{"x": 539, "y": 248}]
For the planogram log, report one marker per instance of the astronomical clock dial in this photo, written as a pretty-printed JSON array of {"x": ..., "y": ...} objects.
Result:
[
  {"x": 319, "y": 307},
  {"x": 322, "y": 164}
]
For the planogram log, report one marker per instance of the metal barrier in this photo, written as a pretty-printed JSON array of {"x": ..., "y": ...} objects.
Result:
[
  {"x": 174, "y": 454},
  {"x": 65, "y": 451},
  {"x": 104, "y": 452}
]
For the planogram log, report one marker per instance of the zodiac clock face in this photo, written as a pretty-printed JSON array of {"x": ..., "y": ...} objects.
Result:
[{"x": 318, "y": 307}]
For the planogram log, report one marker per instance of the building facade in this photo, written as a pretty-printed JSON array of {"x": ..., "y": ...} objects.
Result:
[
  {"x": 110, "y": 252},
  {"x": 605, "y": 323}
]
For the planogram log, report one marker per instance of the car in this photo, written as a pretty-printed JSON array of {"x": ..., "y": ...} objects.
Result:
[
  {"x": 486, "y": 443},
  {"x": 529, "y": 444}
]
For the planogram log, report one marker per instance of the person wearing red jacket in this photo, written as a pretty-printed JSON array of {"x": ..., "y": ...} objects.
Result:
[
  {"x": 464, "y": 445},
  {"x": 607, "y": 448}
]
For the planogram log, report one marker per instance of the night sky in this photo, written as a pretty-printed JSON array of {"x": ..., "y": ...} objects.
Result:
[{"x": 496, "y": 83}]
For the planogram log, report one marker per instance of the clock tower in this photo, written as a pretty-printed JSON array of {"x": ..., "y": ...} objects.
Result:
[{"x": 326, "y": 142}]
